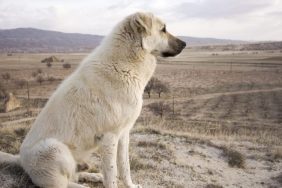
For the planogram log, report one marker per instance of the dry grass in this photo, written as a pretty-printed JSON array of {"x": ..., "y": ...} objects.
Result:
[
  {"x": 279, "y": 179},
  {"x": 213, "y": 186},
  {"x": 136, "y": 164},
  {"x": 151, "y": 144},
  {"x": 12, "y": 137},
  {"x": 207, "y": 107}
]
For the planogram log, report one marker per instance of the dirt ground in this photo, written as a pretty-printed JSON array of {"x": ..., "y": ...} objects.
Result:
[{"x": 222, "y": 127}]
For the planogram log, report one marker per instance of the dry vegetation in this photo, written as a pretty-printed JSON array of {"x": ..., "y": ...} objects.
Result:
[{"x": 216, "y": 123}]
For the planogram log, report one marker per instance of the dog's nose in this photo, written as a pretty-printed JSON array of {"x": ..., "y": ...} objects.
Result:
[{"x": 183, "y": 44}]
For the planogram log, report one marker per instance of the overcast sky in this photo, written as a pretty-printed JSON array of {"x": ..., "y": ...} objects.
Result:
[{"x": 231, "y": 19}]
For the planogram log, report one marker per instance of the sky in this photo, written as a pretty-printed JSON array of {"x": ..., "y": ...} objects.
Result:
[{"x": 252, "y": 20}]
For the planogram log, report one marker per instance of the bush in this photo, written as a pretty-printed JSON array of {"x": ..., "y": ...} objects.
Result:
[
  {"x": 234, "y": 158},
  {"x": 20, "y": 83},
  {"x": 3, "y": 92},
  {"x": 156, "y": 85},
  {"x": 40, "y": 79},
  {"x": 39, "y": 71},
  {"x": 49, "y": 64},
  {"x": 159, "y": 108},
  {"x": 51, "y": 79},
  {"x": 66, "y": 65},
  {"x": 34, "y": 74},
  {"x": 6, "y": 76}
]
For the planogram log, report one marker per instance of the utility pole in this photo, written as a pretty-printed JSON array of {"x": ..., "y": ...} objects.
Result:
[{"x": 27, "y": 87}]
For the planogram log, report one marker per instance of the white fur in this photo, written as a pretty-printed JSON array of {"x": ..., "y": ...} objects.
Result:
[{"x": 95, "y": 107}]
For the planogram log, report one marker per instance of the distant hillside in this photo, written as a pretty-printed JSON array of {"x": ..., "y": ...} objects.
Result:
[
  {"x": 36, "y": 40},
  {"x": 243, "y": 47},
  {"x": 196, "y": 41}
]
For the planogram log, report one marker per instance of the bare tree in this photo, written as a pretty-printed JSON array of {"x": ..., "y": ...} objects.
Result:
[
  {"x": 149, "y": 87},
  {"x": 40, "y": 79},
  {"x": 159, "y": 108},
  {"x": 6, "y": 76},
  {"x": 160, "y": 87}
]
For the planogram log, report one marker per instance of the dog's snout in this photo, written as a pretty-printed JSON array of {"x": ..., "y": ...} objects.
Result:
[{"x": 181, "y": 43}]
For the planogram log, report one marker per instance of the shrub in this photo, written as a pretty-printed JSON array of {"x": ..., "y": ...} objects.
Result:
[
  {"x": 234, "y": 158},
  {"x": 6, "y": 76},
  {"x": 66, "y": 65},
  {"x": 49, "y": 64},
  {"x": 34, "y": 74},
  {"x": 20, "y": 83},
  {"x": 51, "y": 79},
  {"x": 40, "y": 79},
  {"x": 39, "y": 71},
  {"x": 3, "y": 92},
  {"x": 159, "y": 108}
]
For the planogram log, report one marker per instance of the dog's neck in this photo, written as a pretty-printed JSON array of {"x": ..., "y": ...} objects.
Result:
[{"x": 125, "y": 56}]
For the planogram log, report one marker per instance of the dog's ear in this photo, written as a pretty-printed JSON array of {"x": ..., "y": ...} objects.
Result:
[{"x": 142, "y": 22}]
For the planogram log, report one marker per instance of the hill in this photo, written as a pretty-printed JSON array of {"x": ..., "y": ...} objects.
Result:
[
  {"x": 196, "y": 41},
  {"x": 37, "y": 40},
  {"x": 277, "y": 45}
]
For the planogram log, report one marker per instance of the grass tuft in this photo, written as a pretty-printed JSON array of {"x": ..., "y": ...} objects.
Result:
[{"x": 234, "y": 158}]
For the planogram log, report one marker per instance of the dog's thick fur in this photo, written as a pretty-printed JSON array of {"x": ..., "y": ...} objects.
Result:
[{"x": 96, "y": 107}]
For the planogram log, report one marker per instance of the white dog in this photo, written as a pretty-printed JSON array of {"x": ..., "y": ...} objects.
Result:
[{"x": 96, "y": 107}]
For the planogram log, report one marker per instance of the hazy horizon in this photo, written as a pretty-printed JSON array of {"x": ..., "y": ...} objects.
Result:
[{"x": 254, "y": 20}]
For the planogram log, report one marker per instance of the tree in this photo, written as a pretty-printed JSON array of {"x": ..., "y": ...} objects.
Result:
[
  {"x": 40, "y": 79},
  {"x": 159, "y": 108},
  {"x": 149, "y": 87},
  {"x": 6, "y": 76},
  {"x": 160, "y": 87}
]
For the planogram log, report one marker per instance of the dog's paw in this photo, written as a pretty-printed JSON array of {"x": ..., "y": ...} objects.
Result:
[
  {"x": 134, "y": 186},
  {"x": 90, "y": 177}
]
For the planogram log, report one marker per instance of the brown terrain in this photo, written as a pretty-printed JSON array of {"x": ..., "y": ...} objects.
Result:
[{"x": 219, "y": 125}]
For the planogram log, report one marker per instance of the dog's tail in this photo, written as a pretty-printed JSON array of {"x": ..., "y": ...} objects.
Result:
[
  {"x": 11, "y": 172},
  {"x": 6, "y": 158}
]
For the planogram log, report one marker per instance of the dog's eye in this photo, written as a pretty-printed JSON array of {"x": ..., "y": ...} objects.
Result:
[{"x": 164, "y": 29}]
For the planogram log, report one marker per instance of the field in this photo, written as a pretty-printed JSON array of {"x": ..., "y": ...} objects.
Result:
[{"x": 221, "y": 125}]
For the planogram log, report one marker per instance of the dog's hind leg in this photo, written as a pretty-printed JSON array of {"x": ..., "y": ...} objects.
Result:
[
  {"x": 90, "y": 177},
  {"x": 49, "y": 163},
  {"x": 75, "y": 185}
]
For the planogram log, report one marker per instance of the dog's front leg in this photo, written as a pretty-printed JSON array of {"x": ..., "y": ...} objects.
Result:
[
  {"x": 109, "y": 155},
  {"x": 123, "y": 161}
]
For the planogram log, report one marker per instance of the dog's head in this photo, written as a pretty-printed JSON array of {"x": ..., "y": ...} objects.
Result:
[{"x": 154, "y": 36}]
